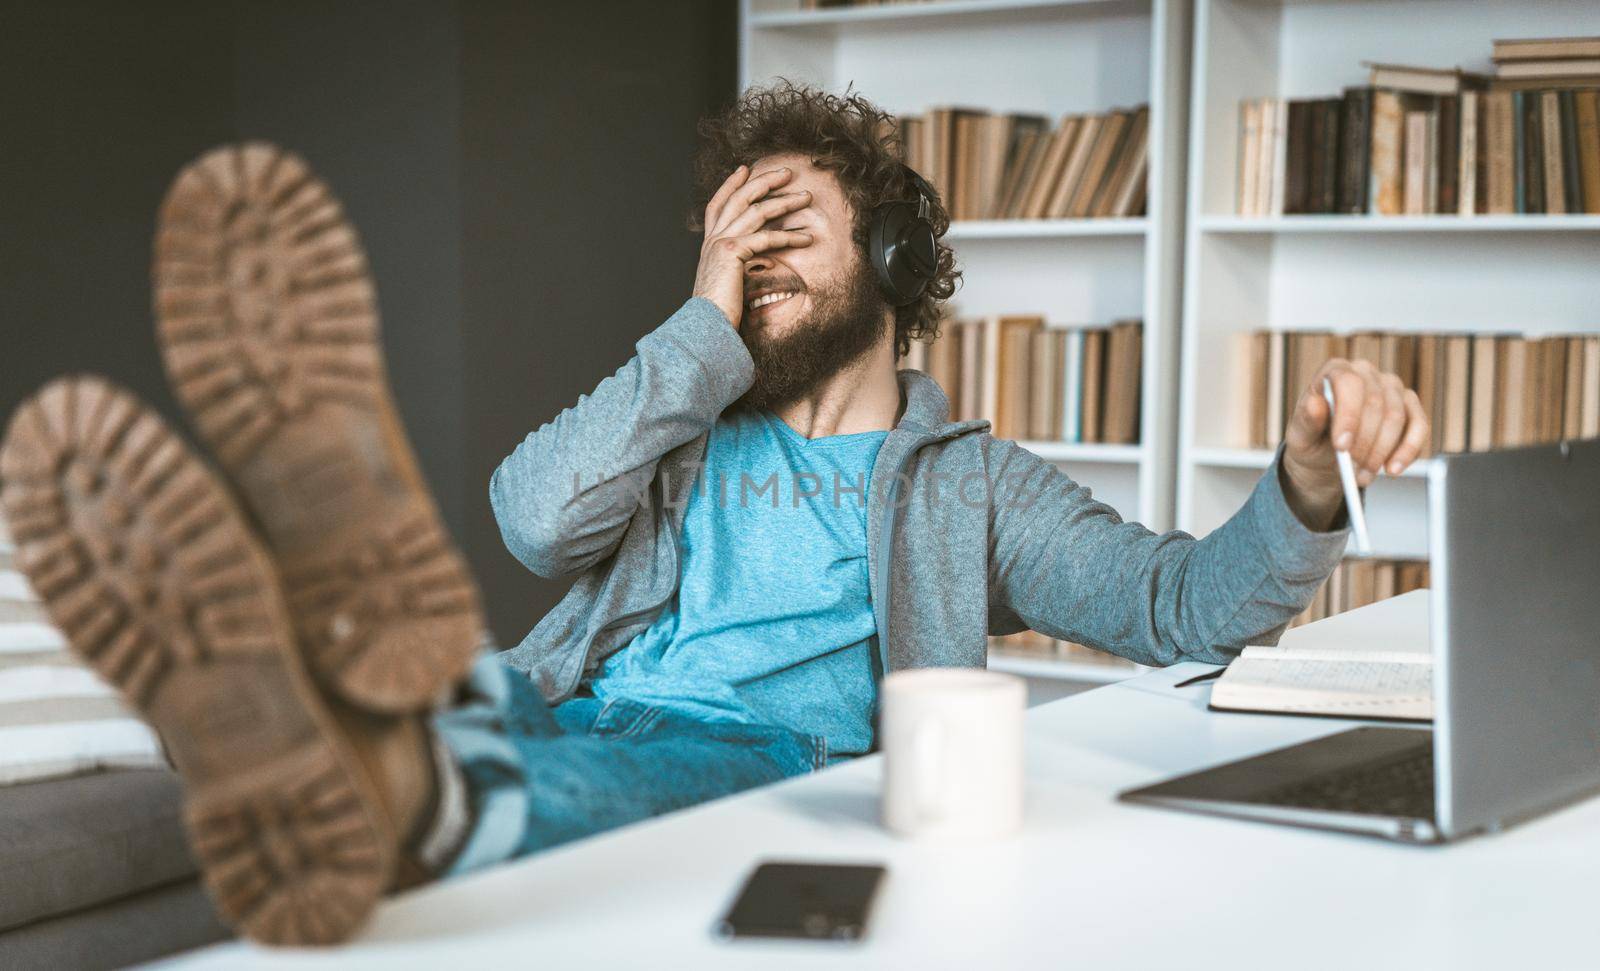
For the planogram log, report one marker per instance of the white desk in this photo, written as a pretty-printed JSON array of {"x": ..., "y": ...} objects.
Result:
[{"x": 1090, "y": 883}]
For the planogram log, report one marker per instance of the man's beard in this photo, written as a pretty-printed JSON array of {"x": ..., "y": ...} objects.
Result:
[{"x": 845, "y": 320}]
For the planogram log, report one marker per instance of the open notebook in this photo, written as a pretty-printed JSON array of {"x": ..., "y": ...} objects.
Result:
[{"x": 1371, "y": 662}]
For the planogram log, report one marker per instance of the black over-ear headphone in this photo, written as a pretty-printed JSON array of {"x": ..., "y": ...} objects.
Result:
[{"x": 901, "y": 244}]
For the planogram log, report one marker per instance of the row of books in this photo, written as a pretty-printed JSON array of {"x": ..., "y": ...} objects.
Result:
[
  {"x": 1481, "y": 391},
  {"x": 1394, "y": 147},
  {"x": 1033, "y": 382},
  {"x": 1357, "y": 582},
  {"x": 1014, "y": 166}
]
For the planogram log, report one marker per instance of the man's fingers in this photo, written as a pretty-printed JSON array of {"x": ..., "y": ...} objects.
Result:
[
  {"x": 1349, "y": 391},
  {"x": 720, "y": 198},
  {"x": 1417, "y": 434},
  {"x": 744, "y": 247},
  {"x": 1391, "y": 426},
  {"x": 754, "y": 188},
  {"x": 768, "y": 209},
  {"x": 1371, "y": 414}
]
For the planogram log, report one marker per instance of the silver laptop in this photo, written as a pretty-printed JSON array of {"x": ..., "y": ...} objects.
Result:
[{"x": 1514, "y": 547}]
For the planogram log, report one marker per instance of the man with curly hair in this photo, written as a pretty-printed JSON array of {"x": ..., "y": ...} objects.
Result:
[
  {"x": 762, "y": 514},
  {"x": 765, "y": 515}
]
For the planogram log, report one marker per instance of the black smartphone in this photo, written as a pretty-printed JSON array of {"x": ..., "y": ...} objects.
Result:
[{"x": 812, "y": 901}]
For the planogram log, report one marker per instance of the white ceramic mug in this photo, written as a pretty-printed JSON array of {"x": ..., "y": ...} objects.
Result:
[{"x": 952, "y": 744}]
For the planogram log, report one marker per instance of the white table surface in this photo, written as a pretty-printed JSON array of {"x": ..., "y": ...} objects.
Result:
[{"x": 1089, "y": 883}]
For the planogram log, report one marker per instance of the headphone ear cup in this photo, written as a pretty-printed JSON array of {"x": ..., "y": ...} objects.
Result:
[{"x": 903, "y": 251}]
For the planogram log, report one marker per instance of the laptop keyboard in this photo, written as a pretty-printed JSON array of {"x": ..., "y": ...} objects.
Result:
[{"x": 1398, "y": 787}]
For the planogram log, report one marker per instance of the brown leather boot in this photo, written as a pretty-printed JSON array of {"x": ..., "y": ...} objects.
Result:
[
  {"x": 146, "y": 563},
  {"x": 268, "y": 325}
]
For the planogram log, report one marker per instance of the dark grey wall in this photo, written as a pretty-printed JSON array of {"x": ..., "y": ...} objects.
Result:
[
  {"x": 369, "y": 92},
  {"x": 518, "y": 172},
  {"x": 576, "y": 167},
  {"x": 100, "y": 104}
]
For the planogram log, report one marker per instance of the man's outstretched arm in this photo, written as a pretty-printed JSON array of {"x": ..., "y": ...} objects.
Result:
[{"x": 1068, "y": 566}]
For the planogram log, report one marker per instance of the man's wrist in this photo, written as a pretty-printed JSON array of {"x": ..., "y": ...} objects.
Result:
[{"x": 1317, "y": 507}]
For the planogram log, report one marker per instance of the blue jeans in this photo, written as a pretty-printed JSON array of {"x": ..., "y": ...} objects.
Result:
[{"x": 537, "y": 777}]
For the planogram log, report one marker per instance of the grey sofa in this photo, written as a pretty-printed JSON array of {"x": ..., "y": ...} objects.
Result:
[{"x": 95, "y": 872}]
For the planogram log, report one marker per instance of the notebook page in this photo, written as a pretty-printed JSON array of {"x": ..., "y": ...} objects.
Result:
[{"x": 1366, "y": 688}]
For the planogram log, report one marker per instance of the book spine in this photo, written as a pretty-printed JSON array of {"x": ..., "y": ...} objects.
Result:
[
  {"x": 1572, "y": 178},
  {"x": 1072, "y": 387},
  {"x": 1555, "y": 186},
  {"x": 1385, "y": 187},
  {"x": 1449, "y": 154},
  {"x": 1297, "y": 189},
  {"x": 1503, "y": 167},
  {"x": 1532, "y": 154},
  {"x": 1586, "y": 106},
  {"x": 1355, "y": 133},
  {"x": 1467, "y": 154}
]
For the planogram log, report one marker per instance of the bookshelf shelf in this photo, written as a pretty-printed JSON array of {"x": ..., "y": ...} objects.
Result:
[
  {"x": 1401, "y": 224},
  {"x": 1257, "y": 459},
  {"x": 834, "y": 18},
  {"x": 975, "y": 229},
  {"x": 1085, "y": 452},
  {"x": 1053, "y": 669},
  {"x": 1524, "y": 274}
]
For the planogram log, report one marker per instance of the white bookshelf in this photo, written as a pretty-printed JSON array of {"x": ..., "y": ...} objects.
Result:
[
  {"x": 1050, "y": 57},
  {"x": 1531, "y": 274}
]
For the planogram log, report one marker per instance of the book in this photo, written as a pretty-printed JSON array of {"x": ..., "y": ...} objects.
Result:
[
  {"x": 1094, "y": 343},
  {"x": 1531, "y": 129},
  {"x": 1387, "y": 149},
  {"x": 1545, "y": 48},
  {"x": 1503, "y": 162},
  {"x": 1450, "y": 410},
  {"x": 1418, "y": 159},
  {"x": 1277, "y": 367},
  {"x": 1278, "y": 149},
  {"x": 1555, "y": 187},
  {"x": 1044, "y": 385},
  {"x": 1586, "y": 128},
  {"x": 1249, "y": 149},
  {"x": 1447, "y": 151},
  {"x": 1072, "y": 386},
  {"x": 1120, "y": 422},
  {"x": 1297, "y": 190},
  {"x": 1014, "y": 336},
  {"x": 1323, "y": 181},
  {"x": 1467, "y": 186},
  {"x": 1326, "y": 670},
  {"x": 1422, "y": 80},
  {"x": 1481, "y": 420},
  {"x": 1558, "y": 68},
  {"x": 1571, "y": 164},
  {"x": 1355, "y": 154}
]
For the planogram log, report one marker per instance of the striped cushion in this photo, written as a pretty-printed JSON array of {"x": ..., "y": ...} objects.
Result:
[{"x": 57, "y": 717}]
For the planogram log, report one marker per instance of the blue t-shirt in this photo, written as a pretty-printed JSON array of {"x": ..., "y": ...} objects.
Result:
[{"x": 772, "y": 621}]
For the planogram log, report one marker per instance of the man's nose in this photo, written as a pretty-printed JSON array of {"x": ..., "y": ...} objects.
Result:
[{"x": 759, "y": 263}]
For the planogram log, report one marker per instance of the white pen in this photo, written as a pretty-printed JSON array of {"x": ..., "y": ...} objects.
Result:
[{"x": 1347, "y": 476}]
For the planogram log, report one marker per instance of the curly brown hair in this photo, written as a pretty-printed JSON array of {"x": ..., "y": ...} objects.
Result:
[{"x": 847, "y": 135}]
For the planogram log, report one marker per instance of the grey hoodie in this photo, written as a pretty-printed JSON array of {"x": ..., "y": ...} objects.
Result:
[{"x": 967, "y": 534}]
